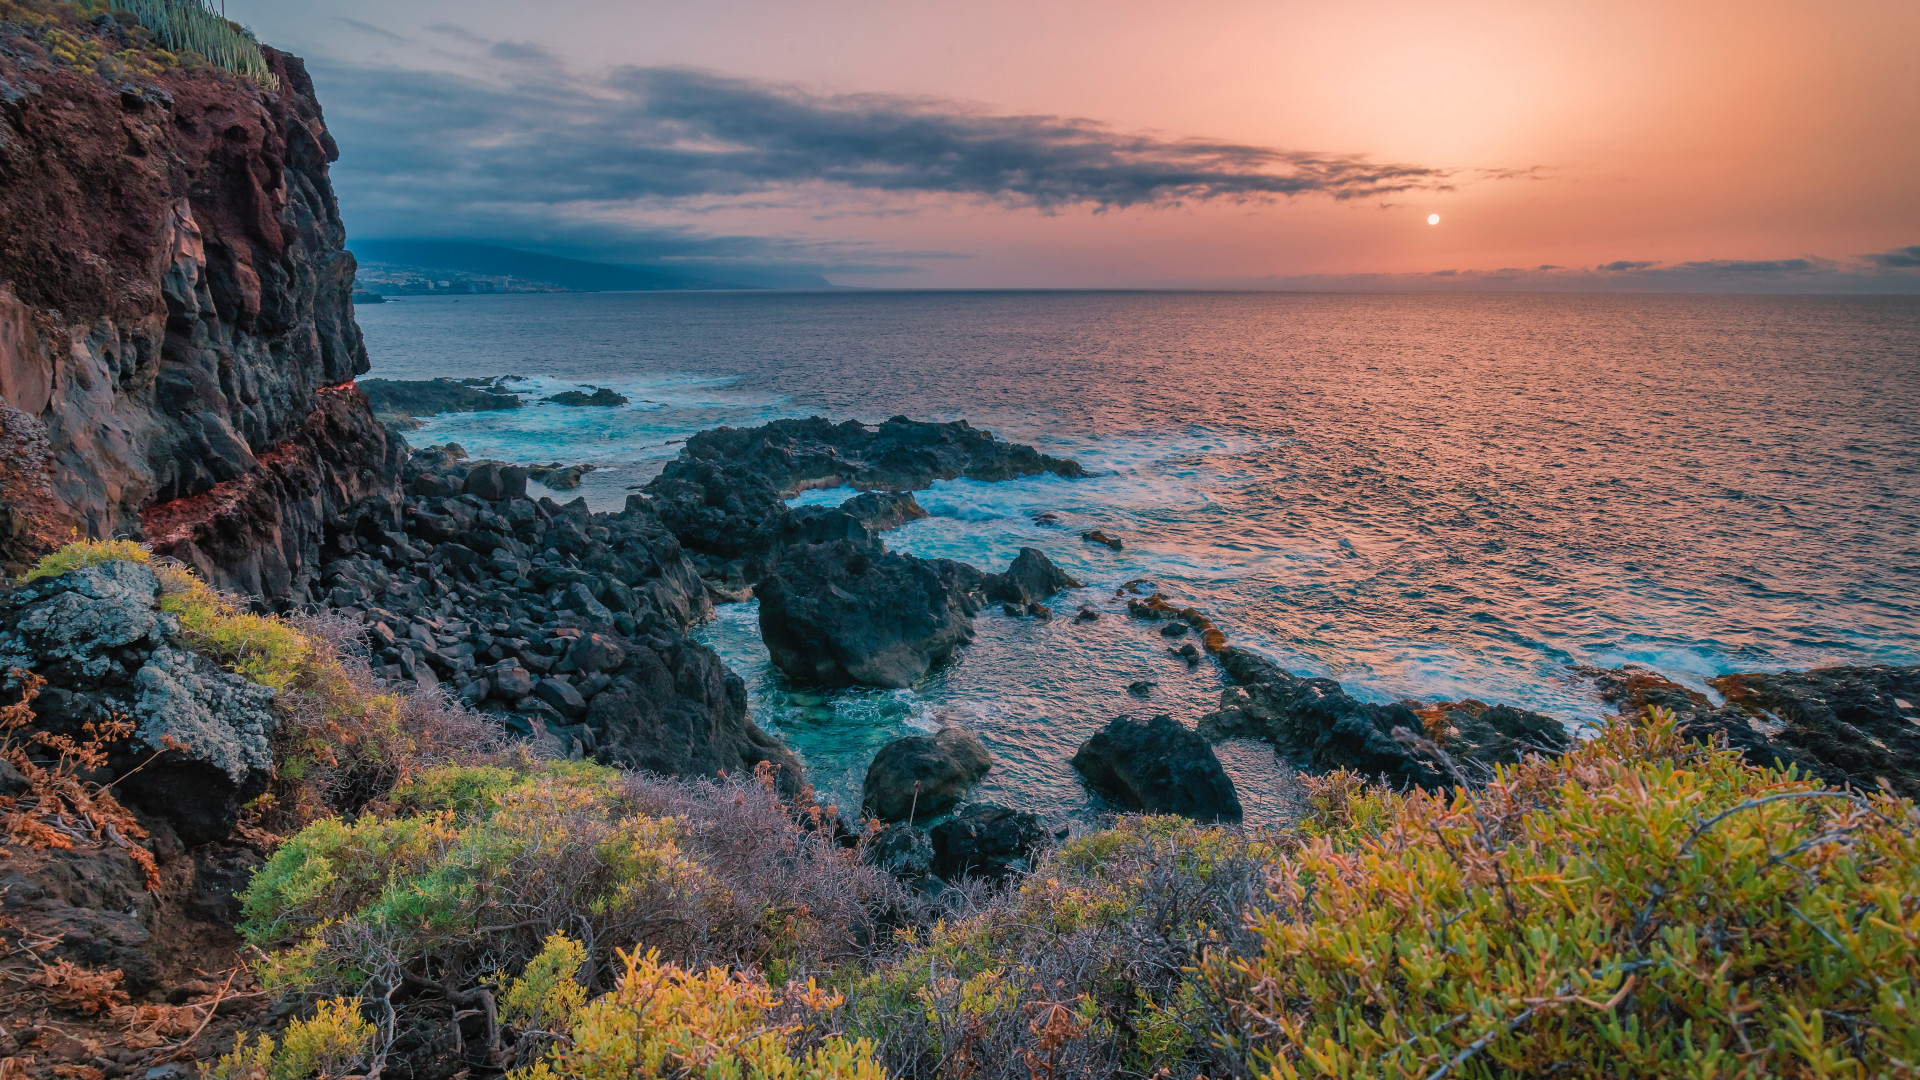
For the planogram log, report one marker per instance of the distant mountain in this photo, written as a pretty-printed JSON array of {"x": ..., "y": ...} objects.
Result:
[{"x": 458, "y": 258}]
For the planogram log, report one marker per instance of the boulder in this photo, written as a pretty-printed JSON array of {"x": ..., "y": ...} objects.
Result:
[
  {"x": 883, "y": 510},
  {"x": 99, "y": 639},
  {"x": 595, "y": 652},
  {"x": 562, "y": 696},
  {"x": 1160, "y": 767},
  {"x": 1030, "y": 579},
  {"x": 601, "y": 397},
  {"x": 921, "y": 777},
  {"x": 902, "y": 850},
  {"x": 985, "y": 840},
  {"x": 673, "y": 708},
  {"x": 846, "y": 613}
]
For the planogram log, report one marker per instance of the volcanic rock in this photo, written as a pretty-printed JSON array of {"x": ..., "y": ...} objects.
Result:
[
  {"x": 98, "y": 638},
  {"x": 847, "y": 613},
  {"x": 1158, "y": 766},
  {"x": 1314, "y": 724},
  {"x": 600, "y": 398},
  {"x": 902, "y": 850},
  {"x": 1845, "y": 725},
  {"x": 985, "y": 840},
  {"x": 1031, "y": 578},
  {"x": 883, "y": 510},
  {"x": 429, "y": 397},
  {"x": 921, "y": 777}
]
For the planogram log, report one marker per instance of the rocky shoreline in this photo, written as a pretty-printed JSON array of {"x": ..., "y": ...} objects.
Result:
[{"x": 570, "y": 627}]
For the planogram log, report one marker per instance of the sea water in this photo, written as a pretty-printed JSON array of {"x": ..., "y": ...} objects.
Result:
[{"x": 1423, "y": 496}]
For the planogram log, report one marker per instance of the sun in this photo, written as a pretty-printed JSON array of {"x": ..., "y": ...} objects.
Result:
[{"x": 1433, "y": 219}]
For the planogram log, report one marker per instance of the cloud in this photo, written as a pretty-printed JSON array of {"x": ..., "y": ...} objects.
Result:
[
  {"x": 1756, "y": 266},
  {"x": 531, "y": 150},
  {"x": 1809, "y": 274},
  {"x": 1905, "y": 258},
  {"x": 375, "y": 31}
]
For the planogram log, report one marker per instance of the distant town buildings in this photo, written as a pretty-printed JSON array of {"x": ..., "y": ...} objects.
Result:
[{"x": 382, "y": 279}]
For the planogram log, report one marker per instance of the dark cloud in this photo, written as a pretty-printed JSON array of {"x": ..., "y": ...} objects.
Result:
[
  {"x": 1798, "y": 275},
  {"x": 1905, "y": 258},
  {"x": 532, "y": 147},
  {"x": 520, "y": 52},
  {"x": 1754, "y": 266},
  {"x": 369, "y": 28}
]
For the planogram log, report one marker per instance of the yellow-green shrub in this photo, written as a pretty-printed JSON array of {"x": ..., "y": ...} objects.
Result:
[
  {"x": 547, "y": 993},
  {"x": 559, "y": 839},
  {"x": 80, "y": 554},
  {"x": 1642, "y": 907},
  {"x": 661, "y": 1020},
  {"x": 264, "y": 648},
  {"x": 331, "y": 1043}
]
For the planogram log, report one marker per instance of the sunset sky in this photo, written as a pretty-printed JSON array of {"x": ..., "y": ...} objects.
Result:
[{"x": 1623, "y": 144}]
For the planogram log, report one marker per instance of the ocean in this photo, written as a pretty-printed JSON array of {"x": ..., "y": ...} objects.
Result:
[{"x": 1423, "y": 496}]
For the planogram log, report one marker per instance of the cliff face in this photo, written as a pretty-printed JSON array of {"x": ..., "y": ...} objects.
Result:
[{"x": 176, "y": 321}]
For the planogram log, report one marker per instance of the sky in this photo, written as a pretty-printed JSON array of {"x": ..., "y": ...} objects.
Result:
[{"x": 1757, "y": 146}]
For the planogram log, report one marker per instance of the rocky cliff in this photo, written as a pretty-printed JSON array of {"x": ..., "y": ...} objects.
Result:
[{"x": 177, "y": 344}]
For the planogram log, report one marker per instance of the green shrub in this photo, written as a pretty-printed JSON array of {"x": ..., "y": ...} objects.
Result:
[
  {"x": 1641, "y": 907},
  {"x": 1085, "y": 969},
  {"x": 507, "y": 888},
  {"x": 548, "y": 993},
  {"x": 265, "y": 648}
]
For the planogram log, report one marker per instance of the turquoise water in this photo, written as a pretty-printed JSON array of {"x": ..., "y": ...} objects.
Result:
[{"x": 1423, "y": 496}]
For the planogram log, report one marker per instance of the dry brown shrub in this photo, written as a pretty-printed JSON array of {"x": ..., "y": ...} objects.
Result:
[
  {"x": 791, "y": 895},
  {"x": 59, "y": 806},
  {"x": 78, "y": 989}
]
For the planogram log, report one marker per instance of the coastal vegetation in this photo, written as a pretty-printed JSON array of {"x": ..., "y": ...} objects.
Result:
[
  {"x": 1642, "y": 905},
  {"x": 160, "y": 35}
]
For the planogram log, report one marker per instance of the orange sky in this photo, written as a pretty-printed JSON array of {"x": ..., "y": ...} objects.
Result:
[{"x": 1662, "y": 131}]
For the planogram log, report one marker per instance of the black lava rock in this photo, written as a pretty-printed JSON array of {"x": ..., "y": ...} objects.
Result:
[
  {"x": 1158, "y": 766},
  {"x": 921, "y": 777},
  {"x": 902, "y": 850},
  {"x": 985, "y": 840},
  {"x": 847, "y": 613}
]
